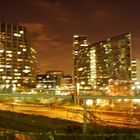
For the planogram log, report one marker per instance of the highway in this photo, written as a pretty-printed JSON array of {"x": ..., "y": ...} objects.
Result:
[
  {"x": 52, "y": 112},
  {"x": 118, "y": 119}
]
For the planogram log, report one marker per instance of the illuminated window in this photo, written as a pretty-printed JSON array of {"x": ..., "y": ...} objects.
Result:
[
  {"x": 26, "y": 71},
  {"x": 1, "y": 69},
  {"x": 8, "y": 66},
  {"x": 22, "y": 46},
  {"x": 14, "y": 81},
  {"x": 76, "y": 42},
  {"x": 17, "y": 73},
  {"x": 76, "y": 52},
  {"x": 7, "y": 81},
  {"x": 7, "y": 86},
  {"x": 84, "y": 45},
  {"x": 19, "y": 35},
  {"x": 21, "y": 32},
  {"x": 33, "y": 50},
  {"x": 75, "y": 36},
  {"x": 15, "y": 34},
  {"x": 8, "y": 51},
  {"x": 8, "y": 59},
  {"x": 9, "y": 55},
  {"x": 80, "y": 69},
  {"x": 18, "y": 52},
  {"x": 9, "y": 77},
  {"x": 17, "y": 77},
  {"x": 1, "y": 66},
  {"x": 82, "y": 82},
  {"x": 15, "y": 70},
  {"x": 1, "y": 51},
  {"x": 20, "y": 59},
  {"x": 24, "y": 50},
  {"x": 27, "y": 67},
  {"x": 3, "y": 77}
]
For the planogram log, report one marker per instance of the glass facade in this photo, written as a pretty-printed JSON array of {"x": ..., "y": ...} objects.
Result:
[
  {"x": 81, "y": 61},
  {"x": 135, "y": 64},
  {"x": 113, "y": 61},
  {"x": 17, "y": 58},
  {"x": 99, "y": 65}
]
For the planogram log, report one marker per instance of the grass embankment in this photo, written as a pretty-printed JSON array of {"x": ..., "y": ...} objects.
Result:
[
  {"x": 45, "y": 127},
  {"x": 35, "y": 123}
]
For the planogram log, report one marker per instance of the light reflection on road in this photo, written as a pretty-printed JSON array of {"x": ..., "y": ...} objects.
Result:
[{"x": 75, "y": 114}]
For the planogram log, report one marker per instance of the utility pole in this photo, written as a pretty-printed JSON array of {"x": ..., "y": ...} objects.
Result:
[
  {"x": 78, "y": 88},
  {"x": 84, "y": 116}
]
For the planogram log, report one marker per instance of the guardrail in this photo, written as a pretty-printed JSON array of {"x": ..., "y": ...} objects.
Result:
[{"x": 69, "y": 96}]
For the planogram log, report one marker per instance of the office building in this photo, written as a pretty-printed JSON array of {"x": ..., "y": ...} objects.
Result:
[
  {"x": 17, "y": 58},
  {"x": 135, "y": 63},
  {"x": 66, "y": 82},
  {"x": 103, "y": 65},
  {"x": 50, "y": 80},
  {"x": 113, "y": 62},
  {"x": 80, "y": 65}
]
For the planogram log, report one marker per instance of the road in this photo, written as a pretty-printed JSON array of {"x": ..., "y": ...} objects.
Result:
[
  {"x": 118, "y": 119},
  {"x": 52, "y": 112}
]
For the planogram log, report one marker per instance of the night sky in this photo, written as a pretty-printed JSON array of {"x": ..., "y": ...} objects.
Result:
[{"x": 52, "y": 24}]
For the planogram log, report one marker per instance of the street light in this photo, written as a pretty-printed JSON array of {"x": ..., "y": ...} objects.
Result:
[
  {"x": 89, "y": 102},
  {"x": 77, "y": 90},
  {"x": 14, "y": 88}
]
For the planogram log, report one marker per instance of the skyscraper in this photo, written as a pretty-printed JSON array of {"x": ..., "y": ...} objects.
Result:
[
  {"x": 113, "y": 61},
  {"x": 135, "y": 76},
  {"x": 104, "y": 63},
  {"x": 135, "y": 70},
  {"x": 17, "y": 58},
  {"x": 80, "y": 46}
]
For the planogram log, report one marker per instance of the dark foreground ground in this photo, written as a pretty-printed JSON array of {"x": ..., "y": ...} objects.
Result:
[{"x": 17, "y": 126}]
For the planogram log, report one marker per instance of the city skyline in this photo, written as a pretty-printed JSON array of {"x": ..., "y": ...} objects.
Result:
[{"x": 52, "y": 24}]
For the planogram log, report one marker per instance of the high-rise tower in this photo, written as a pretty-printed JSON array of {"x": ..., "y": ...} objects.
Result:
[
  {"x": 17, "y": 58},
  {"x": 79, "y": 46},
  {"x": 111, "y": 62},
  {"x": 102, "y": 65}
]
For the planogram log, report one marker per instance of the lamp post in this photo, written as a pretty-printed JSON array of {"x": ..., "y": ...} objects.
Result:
[
  {"x": 86, "y": 103},
  {"x": 84, "y": 116},
  {"x": 77, "y": 90},
  {"x": 14, "y": 88}
]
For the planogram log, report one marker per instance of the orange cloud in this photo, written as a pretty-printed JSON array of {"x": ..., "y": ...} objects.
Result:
[
  {"x": 52, "y": 52},
  {"x": 100, "y": 13}
]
